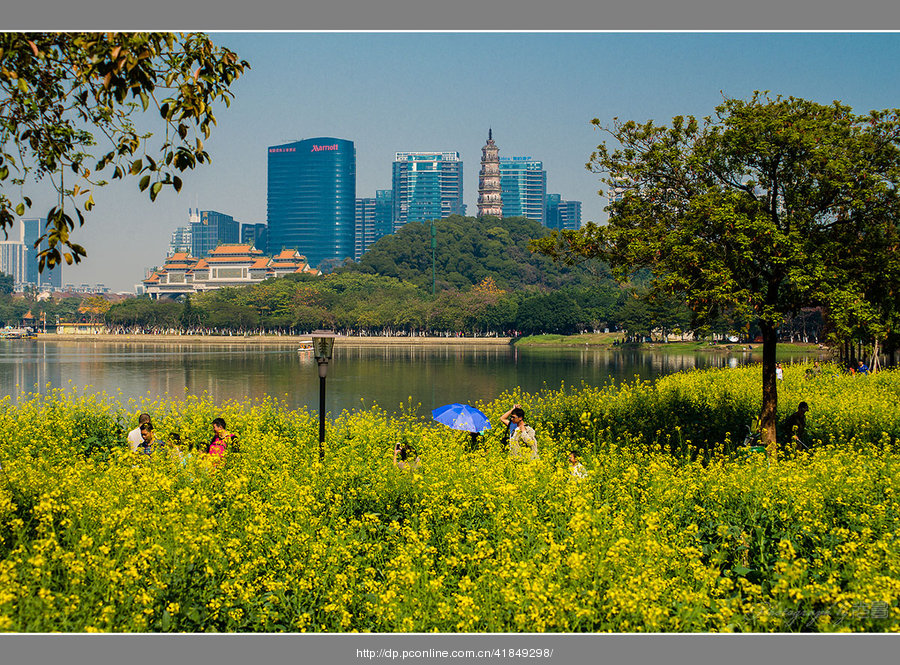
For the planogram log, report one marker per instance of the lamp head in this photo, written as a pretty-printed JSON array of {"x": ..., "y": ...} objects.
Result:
[{"x": 323, "y": 344}]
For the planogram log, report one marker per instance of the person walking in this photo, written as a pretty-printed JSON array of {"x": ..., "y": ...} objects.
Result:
[{"x": 523, "y": 434}]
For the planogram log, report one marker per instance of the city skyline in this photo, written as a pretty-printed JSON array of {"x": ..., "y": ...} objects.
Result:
[{"x": 388, "y": 92}]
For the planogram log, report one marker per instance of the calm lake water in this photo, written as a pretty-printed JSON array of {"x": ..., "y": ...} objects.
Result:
[{"x": 388, "y": 375}]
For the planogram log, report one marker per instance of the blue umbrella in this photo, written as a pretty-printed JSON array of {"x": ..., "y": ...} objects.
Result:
[{"x": 461, "y": 416}]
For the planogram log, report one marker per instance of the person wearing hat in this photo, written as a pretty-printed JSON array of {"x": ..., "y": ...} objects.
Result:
[{"x": 795, "y": 426}]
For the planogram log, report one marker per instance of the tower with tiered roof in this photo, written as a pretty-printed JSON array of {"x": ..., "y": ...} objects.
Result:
[{"x": 490, "y": 201}]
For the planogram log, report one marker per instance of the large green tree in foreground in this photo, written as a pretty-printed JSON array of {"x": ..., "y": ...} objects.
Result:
[
  {"x": 61, "y": 94},
  {"x": 756, "y": 211}
]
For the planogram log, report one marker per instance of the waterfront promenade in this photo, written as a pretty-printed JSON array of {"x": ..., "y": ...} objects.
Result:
[{"x": 273, "y": 339}]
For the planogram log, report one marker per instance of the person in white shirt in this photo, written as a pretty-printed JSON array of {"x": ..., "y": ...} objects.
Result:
[
  {"x": 576, "y": 467},
  {"x": 522, "y": 435},
  {"x": 134, "y": 436}
]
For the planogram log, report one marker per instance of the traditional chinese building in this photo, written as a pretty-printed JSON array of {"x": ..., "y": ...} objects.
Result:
[
  {"x": 227, "y": 265},
  {"x": 490, "y": 200}
]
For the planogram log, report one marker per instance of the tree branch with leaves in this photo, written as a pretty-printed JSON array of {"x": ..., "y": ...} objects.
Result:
[
  {"x": 64, "y": 95},
  {"x": 756, "y": 211}
]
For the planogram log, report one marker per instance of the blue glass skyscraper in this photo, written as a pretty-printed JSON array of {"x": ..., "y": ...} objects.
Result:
[
  {"x": 209, "y": 229},
  {"x": 312, "y": 198},
  {"x": 523, "y": 187},
  {"x": 256, "y": 235},
  {"x": 562, "y": 214},
  {"x": 426, "y": 186}
]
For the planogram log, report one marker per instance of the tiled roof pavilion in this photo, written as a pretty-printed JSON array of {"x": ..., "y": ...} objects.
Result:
[{"x": 227, "y": 265}]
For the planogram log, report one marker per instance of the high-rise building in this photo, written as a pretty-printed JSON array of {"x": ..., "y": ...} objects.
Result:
[
  {"x": 523, "y": 186},
  {"x": 12, "y": 253},
  {"x": 209, "y": 229},
  {"x": 256, "y": 235},
  {"x": 551, "y": 211},
  {"x": 570, "y": 215},
  {"x": 312, "y": 198},
  {"x": 32, "y": 230},
  {"x": 426, "y": 186},
  {"x": 365, "y": 226},
  {"x": 561, "y": 214},
  {"x": 373, "y": 220},
  {"x": 181, "y": 241},
  {"x": 490, "y": 199}
]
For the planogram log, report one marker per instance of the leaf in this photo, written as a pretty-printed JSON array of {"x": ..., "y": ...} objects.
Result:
[
  {"x": 176, "y": 181},
  {"x": 145, "y": 182},
  {"x": 20, "y": 209},
  {"x": 154, "y": 190},
  {"x": 136, "y": 166}
]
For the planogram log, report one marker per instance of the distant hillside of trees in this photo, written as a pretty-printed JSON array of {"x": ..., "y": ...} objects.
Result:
[{"x": 469, "y": 250}]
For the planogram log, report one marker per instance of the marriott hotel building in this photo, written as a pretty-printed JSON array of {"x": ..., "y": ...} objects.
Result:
[{"x": 312, "y": 198}]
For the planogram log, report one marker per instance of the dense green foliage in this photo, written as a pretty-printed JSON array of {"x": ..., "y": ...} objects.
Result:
[
  {"x": 766, "y": 207},
  {"x": 469, "y": 250},
  {"x": 656, "y": 537},
  {"x": 483, "y": 286},
  {"x": 13, "y": 309}
]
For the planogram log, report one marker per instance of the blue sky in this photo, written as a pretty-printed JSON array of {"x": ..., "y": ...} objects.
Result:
[{"x": 391, "y": 92}]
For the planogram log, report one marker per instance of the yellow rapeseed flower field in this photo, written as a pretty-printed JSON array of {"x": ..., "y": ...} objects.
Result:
[{"x": 674, "y": 528}]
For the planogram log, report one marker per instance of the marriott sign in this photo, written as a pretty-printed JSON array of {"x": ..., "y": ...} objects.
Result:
[{"x": 320, "y": 148}]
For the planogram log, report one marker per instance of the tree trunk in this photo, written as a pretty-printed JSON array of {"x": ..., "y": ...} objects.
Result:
[{"x": 769, "y": 414}]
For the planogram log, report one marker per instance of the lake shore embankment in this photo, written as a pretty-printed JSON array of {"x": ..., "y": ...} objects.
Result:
[
  {"x": 594, "y": 341},
  {"x": 271, "y": 339}
]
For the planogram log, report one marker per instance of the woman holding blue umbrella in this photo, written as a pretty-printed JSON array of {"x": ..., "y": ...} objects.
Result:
[{"x": 523, "y": 434}]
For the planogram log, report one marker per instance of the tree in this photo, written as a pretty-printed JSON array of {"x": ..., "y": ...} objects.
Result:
[
  {"x": 554, "y": 313},
  {"x": 748, "y": 211},
  {"x": 60, "y": 91},
  {"x": 7, "y": 284},
  {"x": 95, "y": 307},
  {"x": 188, "y": 317}
]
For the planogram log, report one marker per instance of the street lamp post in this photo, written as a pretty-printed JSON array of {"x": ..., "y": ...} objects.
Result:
[{"x": 323, "y": 343}]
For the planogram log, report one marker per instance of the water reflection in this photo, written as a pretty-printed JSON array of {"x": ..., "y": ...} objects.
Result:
[{"x": 359, "y": 375}]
